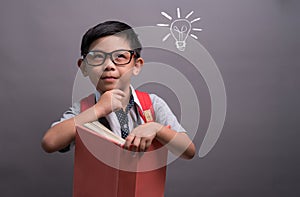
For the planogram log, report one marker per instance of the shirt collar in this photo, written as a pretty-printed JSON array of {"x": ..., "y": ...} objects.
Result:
[{"x": 136, "y": 100}]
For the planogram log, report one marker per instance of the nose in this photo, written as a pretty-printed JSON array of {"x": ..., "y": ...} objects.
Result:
[{"x": 109, "y": 65}]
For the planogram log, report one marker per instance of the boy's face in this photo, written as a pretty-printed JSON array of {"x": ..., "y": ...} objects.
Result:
[{"x": 109, "y": 76}]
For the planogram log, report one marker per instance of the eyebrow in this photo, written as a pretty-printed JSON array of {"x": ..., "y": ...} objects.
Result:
[{"x": 97, "y": 50}]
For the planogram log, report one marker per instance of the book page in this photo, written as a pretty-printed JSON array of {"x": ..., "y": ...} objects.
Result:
[{"x": 103, "y": 131}]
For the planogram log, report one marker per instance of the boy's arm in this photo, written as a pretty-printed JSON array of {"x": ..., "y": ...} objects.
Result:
[
  {"x": 55, "y": 140},
  {"x": 177, "y": 142},
  {"x": 62, "y": 134}
]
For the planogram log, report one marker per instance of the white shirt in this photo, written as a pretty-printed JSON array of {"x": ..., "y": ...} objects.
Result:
[{"x": 163, "y": 114}]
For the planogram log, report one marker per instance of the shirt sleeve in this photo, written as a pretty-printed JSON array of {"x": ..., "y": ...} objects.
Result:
[
  {"x": 164, "y": 115},
  {"x": 70, "y": 113}
]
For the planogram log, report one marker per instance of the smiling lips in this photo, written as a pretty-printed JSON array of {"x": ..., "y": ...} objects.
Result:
[{"x": 109, "y": 78}]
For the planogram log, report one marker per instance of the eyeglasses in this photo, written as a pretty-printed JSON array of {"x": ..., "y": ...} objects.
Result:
[{"x": 118, "y": 57}]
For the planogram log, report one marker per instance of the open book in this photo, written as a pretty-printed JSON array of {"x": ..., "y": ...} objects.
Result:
[
  {"x": 99, "y": 128},
  {"x": 103, "y": 167}
]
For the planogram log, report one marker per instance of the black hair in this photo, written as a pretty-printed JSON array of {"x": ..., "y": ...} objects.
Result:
[{"x": 109, "y": 28}]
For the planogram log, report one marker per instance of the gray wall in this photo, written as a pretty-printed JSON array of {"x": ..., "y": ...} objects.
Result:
[{"x": 255, "y": 45}]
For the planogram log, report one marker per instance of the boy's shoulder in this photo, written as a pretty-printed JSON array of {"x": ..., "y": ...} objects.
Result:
[{"x": 157, "y": 100}]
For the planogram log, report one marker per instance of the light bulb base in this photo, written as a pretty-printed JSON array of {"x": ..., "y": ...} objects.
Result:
[{"x": 180, "y": 45}]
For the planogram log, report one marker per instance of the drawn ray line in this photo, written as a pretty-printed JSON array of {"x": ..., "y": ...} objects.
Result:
[
  {"x": 166, "y": 15},
  {"x": 196, "y": 19},
  {"x": 189, "y": 14},
  {"x": 196, "y": 29},
  {"x": 163, "y": 25},
  {"x": 166, "y": 37},
  {"x": 178, "y": 13},
  {"x": 192, "y": 35}
]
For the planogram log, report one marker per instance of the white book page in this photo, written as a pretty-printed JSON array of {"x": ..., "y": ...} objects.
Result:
[{"x": 102, "y": 130}]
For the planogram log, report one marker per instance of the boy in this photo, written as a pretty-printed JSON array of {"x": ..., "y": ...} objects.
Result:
[{"x": 110, "y": 57}]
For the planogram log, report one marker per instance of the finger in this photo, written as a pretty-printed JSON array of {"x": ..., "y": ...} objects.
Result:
[
  {"x": 128, "y": 141},
  {"x": 148, "y": 144},
  {"x": 118, "y": 92},
  {"x": 142, "y": 147},
  {"x": 136, "y": 143},
  {"x": 118, "y": 97}
]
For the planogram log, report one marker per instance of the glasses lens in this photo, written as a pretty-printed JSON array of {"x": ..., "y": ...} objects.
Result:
[
  {"x": 121, "y": 57},
  {"x": 95, "y": 58}
]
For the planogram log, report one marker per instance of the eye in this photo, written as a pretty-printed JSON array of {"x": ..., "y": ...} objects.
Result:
[
  {"x": 121, "y": 55},
  {"x": 98, "y": 56}
]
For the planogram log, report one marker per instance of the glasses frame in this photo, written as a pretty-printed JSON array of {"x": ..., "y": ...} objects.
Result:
[{"x": 132, "y": 52}]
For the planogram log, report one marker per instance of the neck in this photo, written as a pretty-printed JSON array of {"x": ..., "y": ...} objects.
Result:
[{"x": 125, "y": 101}]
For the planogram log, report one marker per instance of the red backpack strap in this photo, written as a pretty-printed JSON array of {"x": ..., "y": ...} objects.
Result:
[
  {"x": 147, "y": 111},
  {"x": 87, "y": 102}
]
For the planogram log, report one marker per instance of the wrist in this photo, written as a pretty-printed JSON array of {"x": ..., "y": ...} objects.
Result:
[
  {"x": 99, "y": 111},
  {"x": 157, "y": 127},
  {"x": 165, "y": 134}
]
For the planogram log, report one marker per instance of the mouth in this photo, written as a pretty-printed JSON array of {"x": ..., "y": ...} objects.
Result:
[{"x": 109, "y": 78}]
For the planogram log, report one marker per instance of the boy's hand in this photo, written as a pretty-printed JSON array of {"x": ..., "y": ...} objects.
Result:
[
  {"x": 142, "y": 136},
  {"x": 110, "y": 101}
]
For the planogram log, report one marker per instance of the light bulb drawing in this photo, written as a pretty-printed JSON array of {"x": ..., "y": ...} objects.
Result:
[{"x": 180, "y": 29}]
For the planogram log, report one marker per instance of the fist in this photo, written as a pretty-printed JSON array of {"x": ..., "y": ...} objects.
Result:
[{"x": 109, "y": 101}]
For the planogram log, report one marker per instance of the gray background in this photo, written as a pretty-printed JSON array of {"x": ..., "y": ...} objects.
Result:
[{"x": 255, "y": 44}]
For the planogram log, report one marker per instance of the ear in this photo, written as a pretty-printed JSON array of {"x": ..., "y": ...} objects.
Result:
[
  {"x": 81, "y": 64},
  {"x": 139, "y": 62}
]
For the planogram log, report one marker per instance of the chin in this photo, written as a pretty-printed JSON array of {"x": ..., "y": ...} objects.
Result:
[{"x": 102, "y": 89}]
